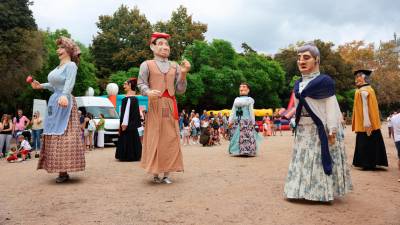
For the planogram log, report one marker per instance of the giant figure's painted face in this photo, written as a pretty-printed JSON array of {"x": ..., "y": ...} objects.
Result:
[
  {"x": 62, "y": 52},
  {"x": 306, "y": 62},
  {"x": 244, "y": 90},
  {"x": 359, "y": 79},
  {"x": 161, "y": 48}
]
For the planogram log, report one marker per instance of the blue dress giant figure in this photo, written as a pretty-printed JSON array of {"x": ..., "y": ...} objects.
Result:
[
  {"x": 241, "y": 122},
  {"x": 62, "y": 149}
]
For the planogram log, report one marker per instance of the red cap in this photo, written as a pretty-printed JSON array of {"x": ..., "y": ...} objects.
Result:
[{"x": 157, "y": 35}]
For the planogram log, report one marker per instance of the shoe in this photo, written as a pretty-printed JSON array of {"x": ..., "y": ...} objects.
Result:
[
  {"x": 62, "y": 179},
  {"x": 166, "y": 180},
  {"x": 37, "y": 155},
  {"x": 157, "y": 180}
]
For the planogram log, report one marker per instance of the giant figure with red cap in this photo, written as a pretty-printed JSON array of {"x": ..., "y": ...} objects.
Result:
[
  {"x": 370, "y": 149},
  {"x": 160, "y": 79}
]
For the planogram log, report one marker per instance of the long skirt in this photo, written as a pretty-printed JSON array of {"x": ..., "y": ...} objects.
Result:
[
  {"x": 161, "y": 145},
  {"x": 100, "y": 138},
  {"x": 66, "y": 152},
  {"x": 306, "y": 178},
  {"x": 129, "y": 147},
  {"x": 370, "y": 151},
  {"x": 244, "y": 139}
]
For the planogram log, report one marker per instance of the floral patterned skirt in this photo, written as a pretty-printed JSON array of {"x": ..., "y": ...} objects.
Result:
[
  {"x": 243, "y": 140},
  {"x": 66, "y": 152},
  {"x": 306, "y": 178}
]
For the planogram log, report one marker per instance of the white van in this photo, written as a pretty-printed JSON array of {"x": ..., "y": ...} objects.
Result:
[{"x": 97, "y": 105}]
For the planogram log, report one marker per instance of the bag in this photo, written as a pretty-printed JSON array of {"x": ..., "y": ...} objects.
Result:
[{"x": 91, "y": 126}]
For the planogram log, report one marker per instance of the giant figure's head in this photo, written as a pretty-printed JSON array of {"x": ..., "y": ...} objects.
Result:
[
  {"x": 159, "y": 45},
  {"x": 361, "y": 77},
  {"x": 308, "y": 59}
]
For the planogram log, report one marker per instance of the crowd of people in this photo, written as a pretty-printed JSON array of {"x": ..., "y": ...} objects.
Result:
[
  {"x": 21, "y": 131},
  {"x": 20, "y": 136},
  {"x": 207, "y": 129}
]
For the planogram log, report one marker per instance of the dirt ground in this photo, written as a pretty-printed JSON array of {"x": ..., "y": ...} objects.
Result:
[{"x": 214, "y": 189}]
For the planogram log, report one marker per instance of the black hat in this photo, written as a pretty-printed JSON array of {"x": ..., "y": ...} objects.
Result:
[{"x": 366, "y": 72}]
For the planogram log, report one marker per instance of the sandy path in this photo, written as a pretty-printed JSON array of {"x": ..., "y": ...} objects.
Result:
[{"x": 215, "y": 189}]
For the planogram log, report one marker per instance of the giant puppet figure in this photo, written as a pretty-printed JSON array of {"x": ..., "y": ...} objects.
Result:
[
  {"x": 318, "y": 170},
  {"x": 159, "y": 79},
  {"x": 241, "y": 122},
  {"x": 370, "y": 149}
]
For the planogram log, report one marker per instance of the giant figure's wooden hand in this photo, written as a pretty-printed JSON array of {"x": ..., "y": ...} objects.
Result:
[{"x": 185, "y": 66}]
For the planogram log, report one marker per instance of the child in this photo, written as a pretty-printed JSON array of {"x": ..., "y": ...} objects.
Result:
[
  {"x": 12, "y": 155},
  {"x": 215, "y": 136},
  {"x": 24, "y": 147}
]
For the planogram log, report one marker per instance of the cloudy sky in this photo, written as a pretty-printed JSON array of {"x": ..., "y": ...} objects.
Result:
[{"x": 266, "y": 25}]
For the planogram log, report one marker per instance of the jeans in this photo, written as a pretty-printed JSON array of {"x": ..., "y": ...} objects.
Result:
[
  {"x": 36, "y": 139},
  {"x": 5, "y": 143}
]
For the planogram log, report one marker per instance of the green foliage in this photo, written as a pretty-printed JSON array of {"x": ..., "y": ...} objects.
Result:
[
  {"x": 183, "y": 31},
  {"x": 247, "y": 49},
  {"x": 193, "y": 94},
  {"x": 21, "y": 52},
  {"x": 122, "y": 41},
  {"x": 222, "y": 70},
  {"x": 120, "y": 77},
  {"x": 16, "y": 13}
]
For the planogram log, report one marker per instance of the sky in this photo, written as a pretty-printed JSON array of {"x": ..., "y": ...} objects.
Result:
[{"x": 267, "y": 26}]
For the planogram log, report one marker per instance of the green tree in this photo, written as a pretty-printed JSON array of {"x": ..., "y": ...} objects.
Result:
[
  {"x": 247, "y": 49},
  {"x": 221, "y": 70},
  {"x": 266, "y": 78},
  {"x": 183, "y": 30},
  {"x": 21, "y": 51},
  {"x": 120, "y": 77},
  {"x": 122, "y": 41}
]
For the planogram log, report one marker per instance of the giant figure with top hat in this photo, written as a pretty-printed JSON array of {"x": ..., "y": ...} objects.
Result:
[
  {"x": 160, "y": 79},
  {"x": 370, "y": 149}
]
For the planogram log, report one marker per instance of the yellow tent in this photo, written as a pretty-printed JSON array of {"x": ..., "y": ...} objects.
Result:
[
  {"x": 263, "y": 112},
  {"x": 257, "y": 112}
]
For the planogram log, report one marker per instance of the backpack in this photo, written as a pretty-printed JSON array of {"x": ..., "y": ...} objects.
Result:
[{"x": 91, "y": 126}]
